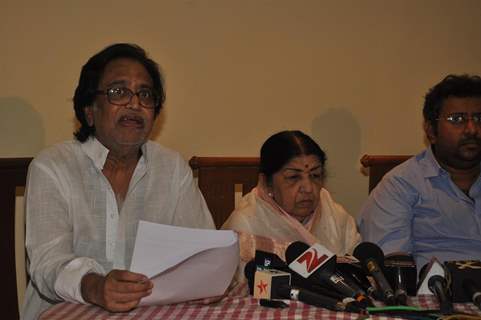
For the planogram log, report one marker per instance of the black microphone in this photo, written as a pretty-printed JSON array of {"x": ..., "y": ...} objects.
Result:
[
  {"x": 400, "y": 294},
  {"x": 269, "y": 260},
  {"x": 433, "y": 267},
  {"x": 264, "y": 259},
  {"x": 249, "y": 270},
  {"x": 472, "y": 291},
  {"x": 372, "y": 260},
  {"x": 325, "y": 274},
  {"x": 401, "y": 272},
  {"x": 273, "y": 285},
  {"x": 439, "y": 287},
  {"x": 316, "y": 299},
  {"x": 355, "y": 271},
  {"x": 458, "y": 271}
]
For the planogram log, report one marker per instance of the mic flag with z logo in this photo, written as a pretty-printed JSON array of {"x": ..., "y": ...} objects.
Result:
[{"x": 311, "y": 260}]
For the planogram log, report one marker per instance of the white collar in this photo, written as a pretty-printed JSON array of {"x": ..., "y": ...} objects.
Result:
[{"x": 98, "y": 153}]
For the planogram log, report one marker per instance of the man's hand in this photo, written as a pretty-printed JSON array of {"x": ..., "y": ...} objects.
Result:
[{"x": 119, "y": 290}]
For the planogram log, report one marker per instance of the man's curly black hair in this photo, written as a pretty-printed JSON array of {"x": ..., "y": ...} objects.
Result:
[
  {"x": 459, "y": 86},
  {"x": 92, "y": 72}
]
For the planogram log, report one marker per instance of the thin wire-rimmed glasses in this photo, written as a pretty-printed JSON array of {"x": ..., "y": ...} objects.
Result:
[
  {"x": 460, "y": 119},
  {"x": 122, "y": 96}
]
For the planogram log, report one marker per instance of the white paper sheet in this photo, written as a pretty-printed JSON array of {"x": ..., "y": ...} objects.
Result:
[{"x": 184, "y": 263}]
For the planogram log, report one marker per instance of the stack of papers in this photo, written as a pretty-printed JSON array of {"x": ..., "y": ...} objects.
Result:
[{"x": 184, "y": 263}]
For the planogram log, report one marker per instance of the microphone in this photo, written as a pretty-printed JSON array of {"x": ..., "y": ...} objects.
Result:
[
  {"x": 269, "y": 260},
  {"x": 400, "y": 294},
  {"x": 316, "y": 299},
  {"x": 401, "y": 272},
  {"x": 358, "y": 275},
  {"x": 372, "y": 260},
  {"x": 264, "y": 259},
  {"x": 458, "y": 271},
  {"x": 434, "y": 267},
  {"x": 472, "y": 291},
  {"x": 317, "y": 265},
  {"x": 274, "y": 284},
  {"x": 249, "y": 270},
  {"x": 438, "y": 286}
]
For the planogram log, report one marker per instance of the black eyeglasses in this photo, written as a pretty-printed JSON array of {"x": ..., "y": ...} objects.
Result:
[
  {"x": 461, "y": 119},
  {"x": 122, "y": 96}
]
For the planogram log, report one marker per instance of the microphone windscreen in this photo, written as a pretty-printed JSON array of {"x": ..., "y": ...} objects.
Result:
[
  {"x": 437, "y": 278},
  {"x": 269, "y": 260},
  {"x": 369, "y": 250},
  {"x": 294, "y": 250},
  {"x": 439, "y": 287}
]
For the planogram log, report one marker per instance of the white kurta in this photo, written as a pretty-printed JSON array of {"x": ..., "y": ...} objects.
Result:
[{"x": 74, "y": 225}]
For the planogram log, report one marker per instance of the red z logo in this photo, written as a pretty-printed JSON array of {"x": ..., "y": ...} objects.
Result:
[{"x": 311, "y": 260}]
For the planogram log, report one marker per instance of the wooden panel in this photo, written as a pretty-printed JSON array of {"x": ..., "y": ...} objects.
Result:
[
  {"x": 379, "y": 165},
  {"x": 217, "y": 177},
  {"x": 13, "y": 173}
]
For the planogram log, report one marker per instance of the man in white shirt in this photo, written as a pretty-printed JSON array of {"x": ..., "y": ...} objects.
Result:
[{"x": 85, "y": 197}]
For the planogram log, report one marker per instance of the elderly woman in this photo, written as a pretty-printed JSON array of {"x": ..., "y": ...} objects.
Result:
[{"x": 289, "y": 203}]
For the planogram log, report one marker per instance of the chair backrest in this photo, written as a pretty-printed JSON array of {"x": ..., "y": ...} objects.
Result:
[
  {"x": 221, "y": 178},
  {"x": 13, "y": 173},
  {"x": 379, "y": 165}
]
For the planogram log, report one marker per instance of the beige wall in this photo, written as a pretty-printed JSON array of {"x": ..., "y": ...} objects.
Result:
[{"x": 350, "y": 73}]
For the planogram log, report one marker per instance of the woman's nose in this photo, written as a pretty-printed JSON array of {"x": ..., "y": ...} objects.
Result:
[{"x": 306, "y": 185}]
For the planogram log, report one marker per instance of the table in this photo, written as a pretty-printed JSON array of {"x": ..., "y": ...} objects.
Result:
[{"x": 235, "y": 306}]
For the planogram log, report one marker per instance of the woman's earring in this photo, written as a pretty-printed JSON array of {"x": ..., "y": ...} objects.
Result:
[{"x": 270, "y": 194}]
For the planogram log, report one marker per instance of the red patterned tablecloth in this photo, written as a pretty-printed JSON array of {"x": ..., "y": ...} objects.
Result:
[{"x": 232, "y": 307}]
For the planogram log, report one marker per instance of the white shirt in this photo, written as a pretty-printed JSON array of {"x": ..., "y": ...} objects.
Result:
[{"x": 73, "y": 223}]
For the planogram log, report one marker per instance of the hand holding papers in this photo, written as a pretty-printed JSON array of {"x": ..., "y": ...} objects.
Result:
[{"x": 183, "y": 263}]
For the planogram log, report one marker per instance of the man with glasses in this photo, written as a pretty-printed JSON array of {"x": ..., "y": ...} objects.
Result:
[
  {"x": 85, "y": 197},
  {"x": 430, "y": 206}
]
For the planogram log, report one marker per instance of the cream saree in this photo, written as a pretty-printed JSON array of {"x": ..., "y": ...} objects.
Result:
[{"x": 262, "y": 224}]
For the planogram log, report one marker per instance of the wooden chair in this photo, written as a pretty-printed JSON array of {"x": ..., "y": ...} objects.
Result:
[
  {"x": 219, "y": 179},
  {"x": 379, "y": 165},
  {"x": 13, "y": 173}
]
